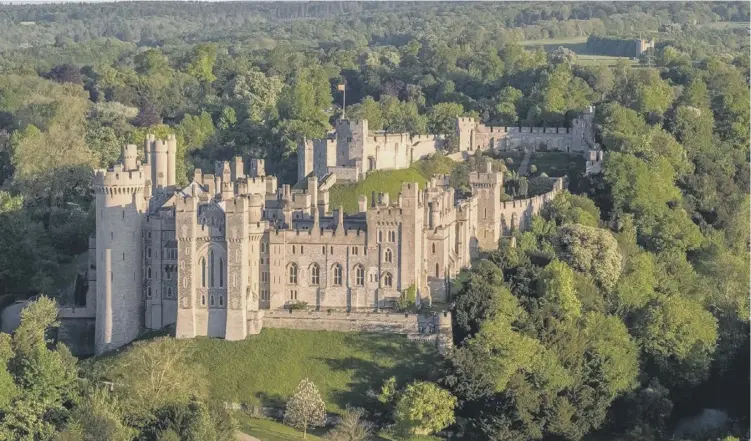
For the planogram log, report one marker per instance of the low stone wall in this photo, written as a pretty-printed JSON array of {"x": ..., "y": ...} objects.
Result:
[{"x": 435, "y": 328}]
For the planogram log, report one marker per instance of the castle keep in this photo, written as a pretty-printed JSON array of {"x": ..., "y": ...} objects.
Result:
[{"x": 233, "y": 251}]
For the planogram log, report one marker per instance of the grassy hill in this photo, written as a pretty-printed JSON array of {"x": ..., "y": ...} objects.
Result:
[
  {"x": 389, "y": 181},
  {"x": 265, "y": 369}
]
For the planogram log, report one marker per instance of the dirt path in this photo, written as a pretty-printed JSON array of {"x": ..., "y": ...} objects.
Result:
[
  {"x": 525, "y": 162},
  {"x": 239, "y": 436}
]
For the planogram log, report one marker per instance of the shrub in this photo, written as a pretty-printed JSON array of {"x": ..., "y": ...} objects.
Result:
[
  {"x": 306, "y": 408},
  {"x": 424, "y": 408},
  {"x": 297, "y": 305},
  {"x": 533, "y": 169}
]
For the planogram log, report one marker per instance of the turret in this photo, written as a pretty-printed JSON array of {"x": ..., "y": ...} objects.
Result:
[
  {"x": 238, "y": 168},
  {"x": 257, "y": 168},
  {"x": 171, "y": 160},
  {"x": 160, "y": 164},
  {"x": 129, "y": 156},
  {"x": 120, "y": 205}
]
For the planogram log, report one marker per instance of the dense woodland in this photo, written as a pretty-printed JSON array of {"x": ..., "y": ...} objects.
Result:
[{"x": 624, "y": 309}]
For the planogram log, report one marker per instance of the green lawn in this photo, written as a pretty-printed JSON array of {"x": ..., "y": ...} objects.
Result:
[
  {"x": 556, "y": 164},
  {"x": 578, "y": 45},
  {"x": 390, "y": 181},
  {"x": 265, "y": 369},
  {"x": 515, "y": 155},
  {"x": 268, "y": 430}
]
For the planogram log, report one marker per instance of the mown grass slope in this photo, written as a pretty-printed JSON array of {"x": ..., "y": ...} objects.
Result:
[
  {"x": 390, "y": 181},
  {"x": 265, "y": 369}
]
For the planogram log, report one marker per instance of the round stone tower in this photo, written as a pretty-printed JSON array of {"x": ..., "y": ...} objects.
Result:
[{"x": 120, "y": 205}]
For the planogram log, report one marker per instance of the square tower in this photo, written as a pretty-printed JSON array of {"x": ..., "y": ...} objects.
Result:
[{"x": 487, "y": 187}]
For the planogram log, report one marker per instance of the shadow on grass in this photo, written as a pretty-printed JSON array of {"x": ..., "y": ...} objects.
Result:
[{"x": 407, "y": 361}]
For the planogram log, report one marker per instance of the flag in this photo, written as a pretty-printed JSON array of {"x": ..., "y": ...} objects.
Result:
[{"x": 340, "y": 87}]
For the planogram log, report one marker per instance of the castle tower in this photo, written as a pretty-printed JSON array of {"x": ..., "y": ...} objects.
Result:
[
  {"x": 305, "y": 157},
  {"x": 258, "y": 168},
  {"x": 256, "y": 229},
  {"x": 411, "y": 240},
  {"x": 237, "y": 268},
  {"x": 465, "y": 132},
  {"x": 120, "y": 205},
  {"x": 171, "y": 160},
  {"x": 582, "y": 133},
  {"x": 488, "y": 187},
  {"x": 186, "y": 211}
]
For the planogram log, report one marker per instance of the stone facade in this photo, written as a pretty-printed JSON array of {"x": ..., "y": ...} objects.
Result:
[
  {"x": 351, "y": 150},
  {"x": 214, "y": 258}
]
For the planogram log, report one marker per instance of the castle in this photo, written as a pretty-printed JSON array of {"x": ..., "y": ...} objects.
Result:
[
  {"x": 351, "y": 150},
  {"x": 223, "y": 255}
]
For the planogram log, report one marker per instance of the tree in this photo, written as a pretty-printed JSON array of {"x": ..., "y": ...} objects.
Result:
[
  {"x": 424, "y": 408},
  {"x": 45, "y": 379},
  {"x": 66, "y": 73},
  {"x": 306, "y": 408},
  {"x": 559, "y": 290},
  {"x": 201, "y": 62},
  {"x": 148, "y": 116},
  {"x": 351, "y": 427},
  {"x": 679, "y": 336},
  {"x": 154, "y": 374},
  {"x": 442, "y": 117},
  {"x": 98, "y": 418},
  {"x": 593, "y": 251}
]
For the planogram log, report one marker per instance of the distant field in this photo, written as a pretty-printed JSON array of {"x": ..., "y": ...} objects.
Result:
[{"x": 578, "y": 45}]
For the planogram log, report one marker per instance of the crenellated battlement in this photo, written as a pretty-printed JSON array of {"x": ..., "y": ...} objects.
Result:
[{"x": 118, "y": 180}]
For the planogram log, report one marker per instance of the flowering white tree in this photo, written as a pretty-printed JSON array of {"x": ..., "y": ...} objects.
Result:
[{"x": 306, "y": 408}]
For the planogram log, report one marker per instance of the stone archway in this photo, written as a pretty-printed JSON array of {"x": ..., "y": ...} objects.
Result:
[{"x": 371, "y": 163}]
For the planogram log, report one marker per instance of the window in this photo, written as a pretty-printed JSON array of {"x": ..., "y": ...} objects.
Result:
[
  {"x": 203, "y": 272},
  {"x": 168, "y": 274},
  {"x": 331, "y": 250},
  {"x": 293, "y": 294},
  {"x": 359, "y": 275},
  {"x": 354, "y": 251},
  {"x": 433, "y": 248},
  {"x": 486, "y": 214},
  {"x": 293, "y": 274},
  {"x": 388, "y": 256},
  {"x": 437, "y": 270},
  {"x": 148, "y": 292},
  {"x": 387, "y": 280},
  {"x": 211, "y": 268},
  {"x": 203, "y": 300},
  {"x": 264, "y": 277},
  {"x": 221, "y": 273},
  {"x": 392, "y": 236},
  {"x": 112, "y": 235},
  {"x": 293, "y": 249},
  {"x": 337, "y": 275},
  {"x": 323, "y": 250},
  {"x": 263, "y": 247},
  {"x": 264, "y": 294},
  {"x": 380, "y": 236},
  {"x": 211, "y": 300},
  {"x": 301, "y": 249},
  {"x": 123, "y": 257},
  {"x": 148, "y": 272},
  {"x": 221, "y": 300},
  {"x": 169, "y": 293},
  {"x": 315, "y": 274},
  {"x": 123, "y": 214}
]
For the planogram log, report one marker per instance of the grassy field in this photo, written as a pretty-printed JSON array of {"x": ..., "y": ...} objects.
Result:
[
  {"x": 578, "y": 45},
  {"x": 556, "y": 164},
  {"x": 387, "y": 181},
  {"x": 265, "y": 369},
  {"x": 268, "y": 430}
]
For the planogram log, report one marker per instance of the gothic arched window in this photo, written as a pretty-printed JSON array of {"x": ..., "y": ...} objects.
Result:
[
  {"x": 211, "y": 268},
  {"x": 211, "y": 300},
  {"x": 315, "y": 274},
  {"x": 359, "y": 275},
  {"x": 433, "y": 248},
  {"x": 337, "y": 275},
  {"x": 388, "y": 255},
  {"x": 293, "y": 274},
  {"x": 388, "y": 280},
  {"x": 221, "y": 300},
  {"x": 203, "y": 272},
  {"x": 221, "y": 273}
]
